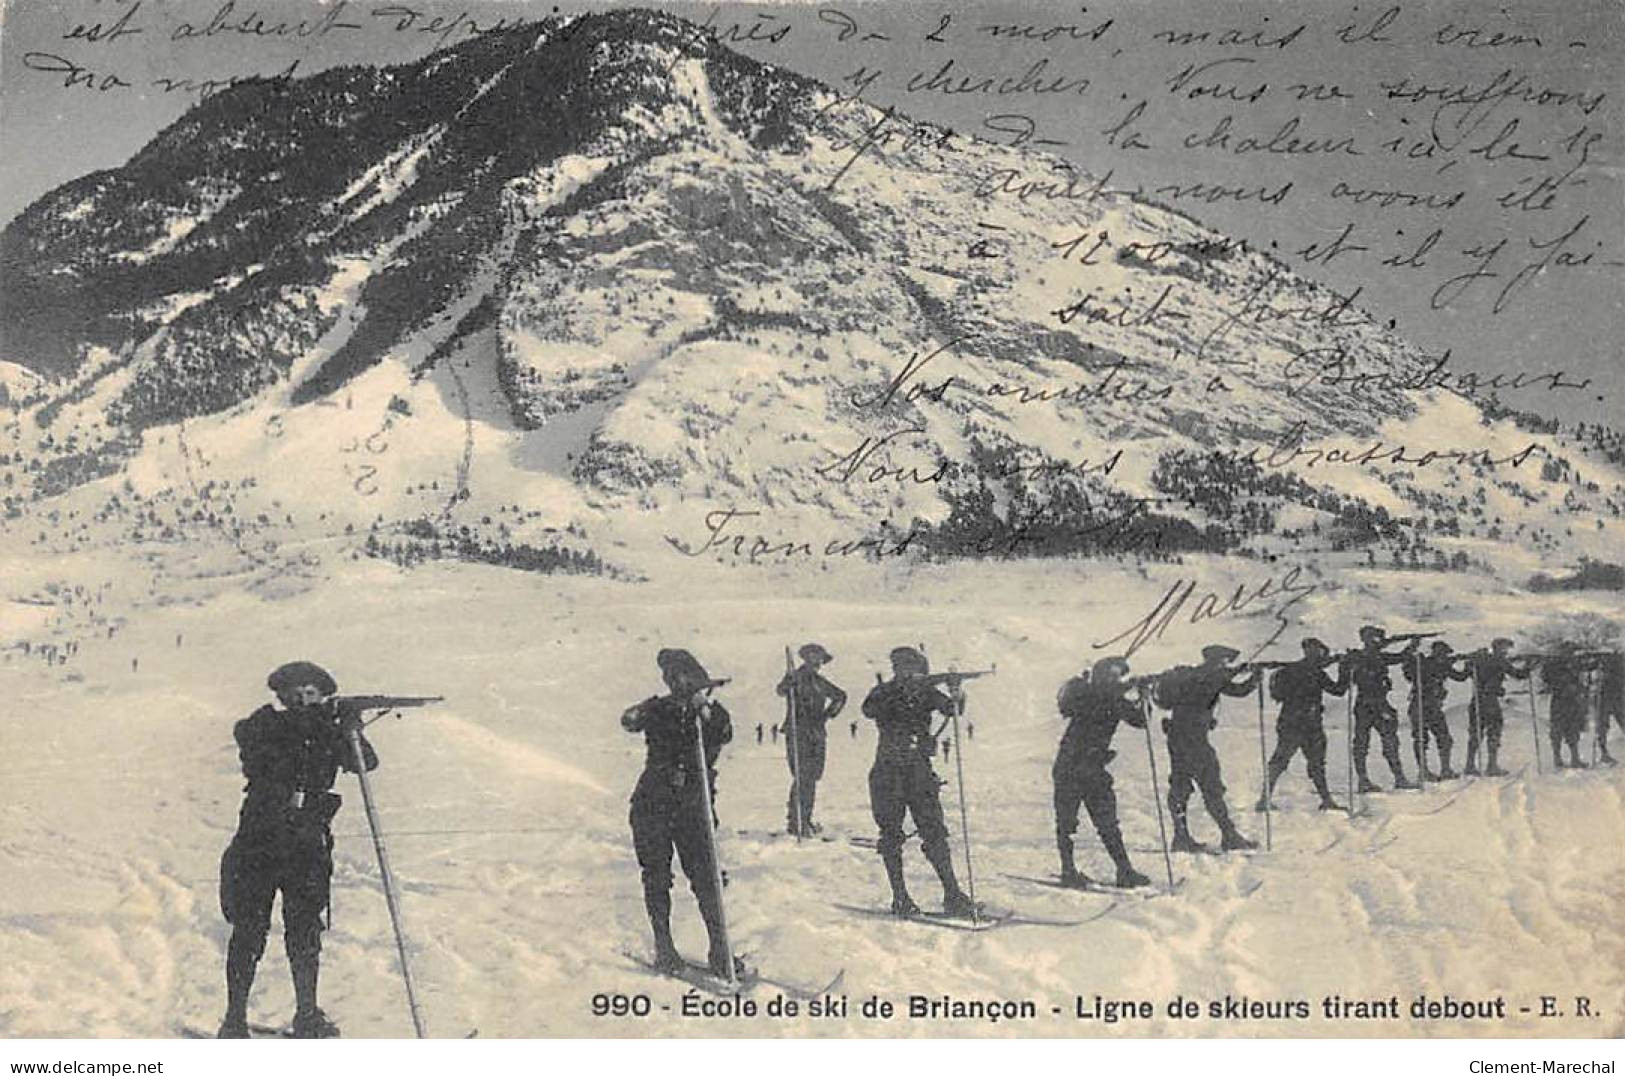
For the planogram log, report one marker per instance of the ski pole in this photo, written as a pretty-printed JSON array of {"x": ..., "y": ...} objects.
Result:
[
  {"x": 710, "y": 826},
  {"x": 795, "y": 742},
  {"x": 1534, "y": 721},
  {"x": 1264, "y": 767},
  {"x": 1156, "y": 796},
  {"x": 1348, "y": 746},
  {"x": 964, "y": 810},
  {"x": 1475, "y": 721},
  {"x": 390, "y": 899},
  {"x": 1419, "y": 729}
]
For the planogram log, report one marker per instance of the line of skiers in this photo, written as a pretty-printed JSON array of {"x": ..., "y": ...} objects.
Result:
[
  {"x": 673, "y": 804},
  {"x": 291, "y": 754}
]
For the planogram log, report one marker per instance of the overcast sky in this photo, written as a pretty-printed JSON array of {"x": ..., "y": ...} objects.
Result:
[{"x": 1463, "y": 104}]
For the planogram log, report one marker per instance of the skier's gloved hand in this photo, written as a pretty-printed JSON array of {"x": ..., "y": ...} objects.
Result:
[{"x": 349, "y": 719}]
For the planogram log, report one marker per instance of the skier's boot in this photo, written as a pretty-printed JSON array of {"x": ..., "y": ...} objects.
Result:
[
  {"x": 309, "y": 1022},
  {"x": 1234, "y": 842},
  {"x": 1183, "y": 841},
  {"x": 1366, "y": 786},
  {"x": 1403, "y": 783},
  {"x": 1070, "y": 875},
  {"x": 717, "y": 962},
  {"x": 956, "y": 902},
  {"x": 313, "y": 1024},
  {"x": 241, "y": 960},
  {"x": 902, "y": 904},
  {"x": 1445, "y": 772},
  {"x": 1329, "y": 804},
  {"x": 1606, "y": 759},
  {"x": 667, "y": 959},
  {"x": 1263, "y": 805},
  {"x": 1127, "y": 876}
]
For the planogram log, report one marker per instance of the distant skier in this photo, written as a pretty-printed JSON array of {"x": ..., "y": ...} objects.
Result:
[
  {"x": 1368, "y": 672},
  {"x": 673, "y": 802},
  {"x": 1301, "y": 688},
  {"x": 1191, "y": 692},
  {"x": 1093, "y": 705},
  {"x": 816, "y": 702},
  {"x": 284, "y": 841},
  {"x": 1490, "y": 670},
  {"x": 758, "y": 732},
  {"x": 854, "y": 728},
  {"x": 1564, "y": 673},
  {"x": 1611, "y": 704},
  {"x": 1430, "y": 678},
  {"x": 902, "y": 782}
]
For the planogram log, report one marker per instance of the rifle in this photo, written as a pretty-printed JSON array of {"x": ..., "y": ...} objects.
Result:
[
  {"x": 1407, "y": 636},
  {"x": 951, "y": 677},
  {"x": 384, "y": 702}
]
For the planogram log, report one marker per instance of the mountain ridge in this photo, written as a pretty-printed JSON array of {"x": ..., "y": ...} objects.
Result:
[{"x": 676, "y": 273}]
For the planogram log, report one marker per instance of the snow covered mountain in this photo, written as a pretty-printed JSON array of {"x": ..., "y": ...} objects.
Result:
[{"x": 607, "y": 263}]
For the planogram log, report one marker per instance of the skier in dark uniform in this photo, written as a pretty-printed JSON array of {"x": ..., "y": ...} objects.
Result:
[
  {"x": 902, "y": 782},
  {"x": 816, "y": 702},
  {"x": 1191, "y": 692},
  {"x": 1367, "y": 670},
  {"x": 1427, "y": 706},
  {"x": 1490, "y": 670},
  {"x": 284, "y": 841},
  {"x": 1093, "y": 705},
  {"x": 673, "y": 803},
  {"x": 1301, "y": 688},
  {"x": 1611, "y": 706},
  {"x": 1564, "y": 673}
]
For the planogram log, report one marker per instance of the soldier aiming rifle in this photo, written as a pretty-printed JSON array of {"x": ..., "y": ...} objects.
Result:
[
  {"x": 1367, "y": 669},
  {"x": 673, "y": 805},
  {"x": 284, "y": 841},
  {"x": 1191, "y": 692},
  {"x": 1490, "y": 669},
  {"x": 902, "y": 782},
  {"x": 1093, "y": 705},
  {"x": 1301, "y": 687},
  {"x": 1429, "y": 677}
]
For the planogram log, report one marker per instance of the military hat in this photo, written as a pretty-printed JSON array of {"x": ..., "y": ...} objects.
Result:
[
  {"x": 1219, "y": 652},
  {"x": 908, "y": 659},
  {"x": 1312, "y": 643},
  {"x": 1105, "y": 665},
  {"x": 298, "y": 673},
  {"x": 1371, "y": 631},
  {"x": 813, "y": 654},
  {"x": 682, "y": 669},
  {"x": 1502, "y": 641},
  {"x": 1442, "y": 647}
]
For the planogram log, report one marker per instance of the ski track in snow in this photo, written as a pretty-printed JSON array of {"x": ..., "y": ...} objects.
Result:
[{"x": 505, "y": 810}]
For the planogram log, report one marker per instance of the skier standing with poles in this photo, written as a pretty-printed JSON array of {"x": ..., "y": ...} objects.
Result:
[
  {"x": 673, "y": 804},
  {"x": 902, "y": 781},
  {"x": 1368, "y": 671},
  {"x": 284, "y": 840},
  {"x": 812, "y": 702},
  {"x": 1301, "y": 687},
  {"x": 1430, "y": 678},
  {"x": 1093, "y": 705},
  {"x": 1564, "y": 673},
  {"x": 1490, "y": 670},
  {"x": 1191, "y": 692}
]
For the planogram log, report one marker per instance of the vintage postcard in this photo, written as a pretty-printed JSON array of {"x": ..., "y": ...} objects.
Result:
[{"x": 829, "y": 520}]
